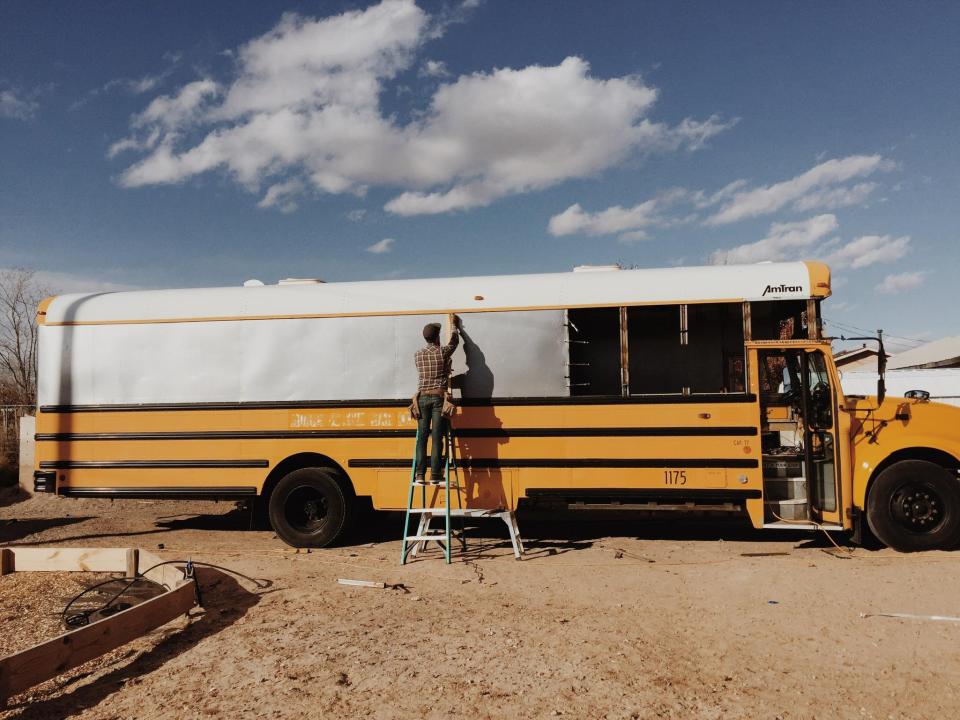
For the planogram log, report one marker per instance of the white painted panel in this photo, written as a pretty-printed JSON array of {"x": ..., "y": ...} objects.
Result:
[
  {"x": 330, "y": 358},
  {"x": 508, "y": 354},
  {"x": 512, "y": 354}
]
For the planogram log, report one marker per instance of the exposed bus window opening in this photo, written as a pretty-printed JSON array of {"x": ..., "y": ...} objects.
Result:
[
  {"x": 593, "y": 336},
  {"x": 667, "y": 350},
  {"x": 779, "y": 320},
  {"x": 656, "y": 336},
  {"x": 715, "y": 357}
]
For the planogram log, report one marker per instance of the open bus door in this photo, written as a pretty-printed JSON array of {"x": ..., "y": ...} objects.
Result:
[{"x": 798, "y": 422}]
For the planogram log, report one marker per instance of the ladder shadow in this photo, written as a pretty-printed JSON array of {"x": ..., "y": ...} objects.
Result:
[{"x": 489, "y": 538}]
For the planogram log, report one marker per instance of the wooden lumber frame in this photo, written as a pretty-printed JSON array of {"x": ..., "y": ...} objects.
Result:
[{"x": 50, "y": 658}]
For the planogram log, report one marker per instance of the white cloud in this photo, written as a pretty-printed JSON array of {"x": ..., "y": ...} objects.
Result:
[
  {"x": 434, "y": 68},
  {"x": 134, "y": 143},
  {"x": 305, "y": 103},
  {"x": 357, "y": 215},
  {"x": 901, "y": 282},
  {"x": 818, "y": 188},
  {"x": 384, "y": 246},
  {"x": 630, "y": 222},
  {"x": 279, "y": 194},
  {"x": 869, "y": 250},
  {"x": 162, "y": 118},
  {"x": 838, "y": 197},
  {"x": 513, "y": 131},
  {"x": 702, "y": 200},
  {"x": 806, "y": 239},
  {"x": 133, "y": 86},
  {"x": 784, "y": 241},
  {"x": 172, "y": 111},
  {"x": 15, "y": 107}
]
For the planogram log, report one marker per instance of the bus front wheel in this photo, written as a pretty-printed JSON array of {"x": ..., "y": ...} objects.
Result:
[
  {"x": 308, "y": 508},
  {"x": 915, "y": 505}
]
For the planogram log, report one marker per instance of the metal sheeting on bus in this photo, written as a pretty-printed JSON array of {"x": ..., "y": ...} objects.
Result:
[{"x": 293, "y": 359}]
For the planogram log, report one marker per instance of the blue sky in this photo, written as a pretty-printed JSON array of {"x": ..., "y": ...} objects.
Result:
[{"x": 194, "y": 144}]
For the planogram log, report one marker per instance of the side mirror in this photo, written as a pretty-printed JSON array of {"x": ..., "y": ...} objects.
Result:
[
  {"x": 881, "y": 363},
  {"x": 921, "y": 395},
  {"x": 881, "y": 368}
]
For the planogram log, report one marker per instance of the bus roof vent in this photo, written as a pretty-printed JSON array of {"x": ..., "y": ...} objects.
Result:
[
  {"x": 252, "y": 282},
  {"x": 300, "y": 281},
  {"x": 597, "y": 268}
]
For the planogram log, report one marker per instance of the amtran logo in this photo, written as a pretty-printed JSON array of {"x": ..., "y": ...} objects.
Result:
[{"x": 780, "y": 289}]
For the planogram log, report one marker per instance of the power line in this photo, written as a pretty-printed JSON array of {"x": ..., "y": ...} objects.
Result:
[{"x": 854, "y": 328}]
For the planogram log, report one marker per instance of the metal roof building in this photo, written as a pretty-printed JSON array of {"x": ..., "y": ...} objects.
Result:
[{"x": 943, "y": 353}]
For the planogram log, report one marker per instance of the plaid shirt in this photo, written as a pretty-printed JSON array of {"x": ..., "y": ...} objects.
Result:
[{"x": 433, "y": 364}]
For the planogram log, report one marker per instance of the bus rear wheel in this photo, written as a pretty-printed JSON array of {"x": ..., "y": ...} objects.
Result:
[
  {"x": 308, "y": 508},
  {"x": 915, "y": 505}
]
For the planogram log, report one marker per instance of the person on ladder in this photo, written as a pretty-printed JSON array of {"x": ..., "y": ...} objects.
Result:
[{"x": 431, "y": 405}]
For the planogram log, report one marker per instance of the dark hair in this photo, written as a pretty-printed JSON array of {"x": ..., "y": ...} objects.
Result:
[{"x": 431, "y": 332}]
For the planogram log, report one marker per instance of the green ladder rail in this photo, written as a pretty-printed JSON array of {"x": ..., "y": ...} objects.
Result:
[{"x": 425, "y": 534}]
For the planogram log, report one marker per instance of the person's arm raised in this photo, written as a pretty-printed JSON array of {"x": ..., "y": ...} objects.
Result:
[{"x": 453, "y": 336}]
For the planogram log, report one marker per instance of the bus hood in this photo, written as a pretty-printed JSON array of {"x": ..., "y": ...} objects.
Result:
[{"x": 899, "y": 423}]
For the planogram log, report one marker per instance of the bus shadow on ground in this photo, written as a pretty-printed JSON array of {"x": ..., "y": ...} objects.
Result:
[
  {"x": 543, "y": 532},
  {"x": 233, "y": 520},
  {"x": 559, "y": 531},
  {"x": 225, "y": 601},
  {"x": 15, "y": 529}
]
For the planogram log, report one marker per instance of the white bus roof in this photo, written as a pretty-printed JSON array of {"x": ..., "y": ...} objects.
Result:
[{"x": 723, "y": 283}]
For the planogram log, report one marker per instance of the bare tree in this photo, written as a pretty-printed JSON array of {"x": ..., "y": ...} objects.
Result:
[{"x": 19, "y": 297}]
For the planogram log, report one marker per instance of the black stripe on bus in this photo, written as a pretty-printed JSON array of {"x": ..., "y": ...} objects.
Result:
[
  {"x": 718, "y": 431},
  {"x": 166, "y": 493},
  {"x": 569, "y": 463},
  {"x": 670, "y": 399},
  {"x": 121, "y": 464}
]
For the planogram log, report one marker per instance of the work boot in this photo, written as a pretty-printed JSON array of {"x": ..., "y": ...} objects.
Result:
[
  {"x": 418, "y": 478},
  {"x": 435, "y": 480}
]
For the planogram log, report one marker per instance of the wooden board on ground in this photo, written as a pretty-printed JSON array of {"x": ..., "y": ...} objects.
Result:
[
  {"x": 69, "y": 559},
  {"x": 50, "y": 658}
]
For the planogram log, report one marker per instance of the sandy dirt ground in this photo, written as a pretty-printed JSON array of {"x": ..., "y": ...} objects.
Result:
[{"x": 607, "y": 617}]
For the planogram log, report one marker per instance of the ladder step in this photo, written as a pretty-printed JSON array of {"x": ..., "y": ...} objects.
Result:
[
  {"x": 436, "y": 485},
  {"x": 438, "y": 536},
  {"x": 431, "y": 511}
]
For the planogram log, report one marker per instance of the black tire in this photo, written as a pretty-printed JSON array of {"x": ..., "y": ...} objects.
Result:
[
  {"x": 915, "y": 505},
  {"x": 309, "y": 508}
]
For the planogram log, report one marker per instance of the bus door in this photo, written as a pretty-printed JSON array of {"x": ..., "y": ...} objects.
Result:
[{"x": 798, "y": 421}]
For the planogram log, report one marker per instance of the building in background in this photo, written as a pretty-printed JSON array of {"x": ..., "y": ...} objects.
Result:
[
  {"x": 943, "y": 353},
  {"x": 943, "y": 384},
  {"x": 861, "y": 358}
]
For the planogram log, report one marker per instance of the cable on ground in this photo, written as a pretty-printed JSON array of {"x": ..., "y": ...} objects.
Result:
[{"x": 115, "y": 605}]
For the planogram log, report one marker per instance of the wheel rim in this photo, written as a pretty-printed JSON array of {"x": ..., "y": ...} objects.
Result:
[
  {"x": 918, "y": 507},
  {"x": 306, "y": 509}
]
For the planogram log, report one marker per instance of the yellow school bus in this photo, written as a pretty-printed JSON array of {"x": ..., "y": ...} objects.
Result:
[{"x": 706, "y": 389}]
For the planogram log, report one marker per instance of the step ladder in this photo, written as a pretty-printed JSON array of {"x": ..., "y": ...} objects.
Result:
[
  {"x": 444, "y": 536},
  {"x": 425, "y": 533}
]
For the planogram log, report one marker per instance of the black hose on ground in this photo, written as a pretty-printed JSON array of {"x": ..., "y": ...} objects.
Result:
[{"x": 111, "y": 606}]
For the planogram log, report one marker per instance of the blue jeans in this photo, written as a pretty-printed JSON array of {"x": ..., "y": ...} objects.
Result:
[{"x": 431, "y": 423}]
